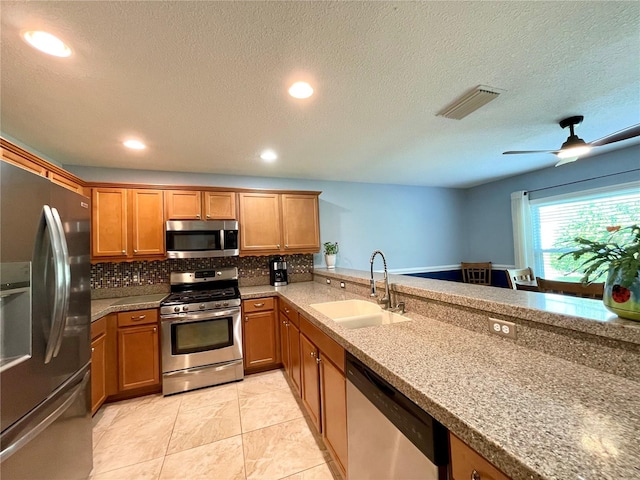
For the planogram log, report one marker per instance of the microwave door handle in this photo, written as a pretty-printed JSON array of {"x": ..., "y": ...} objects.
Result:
[
  {"x": 222, "y": 239},
  {"x": 61, "y": 277},
  {"x": 66, "y": 281}
]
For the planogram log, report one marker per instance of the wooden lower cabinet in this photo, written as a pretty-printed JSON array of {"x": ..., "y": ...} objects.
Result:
[
  {"x": 324, "y": 389},
  {"x": 260, "y": 333},
  {"x": 467, "y": 463},
  {"x": 290, "y": 343},
  {"x": 98, "y": 363},
  {"x": 310, "y": 380},
  {"x": 138, "y": 357},
  {"x": 334, "y": 411}
]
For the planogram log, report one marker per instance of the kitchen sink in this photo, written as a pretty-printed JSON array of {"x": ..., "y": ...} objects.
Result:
[{"x": 358, "y": 313}]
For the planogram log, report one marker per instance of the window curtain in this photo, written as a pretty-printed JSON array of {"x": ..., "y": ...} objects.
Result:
[{"x": 522, "y": 231}]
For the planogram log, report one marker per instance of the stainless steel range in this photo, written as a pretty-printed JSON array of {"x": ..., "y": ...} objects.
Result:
[{"x": 201, "y": 330}]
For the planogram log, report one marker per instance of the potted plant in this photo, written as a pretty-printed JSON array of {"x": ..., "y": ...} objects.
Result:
[
  {"x": 619, "y": 258},
  {"x": 330, "y": 252}
]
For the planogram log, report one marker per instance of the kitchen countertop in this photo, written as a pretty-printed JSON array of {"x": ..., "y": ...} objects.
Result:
[
  {"x": 102, "y": 307},
  {"x": 533, "y": 415}
]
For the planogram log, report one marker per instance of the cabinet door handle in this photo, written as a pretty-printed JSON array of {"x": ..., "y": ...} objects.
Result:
[
  {"x": 246, "y": 319},
  {"x": 135, "y": 251},
  {"x": 286, "y": 245},
  {"x": 198, "y": 216},
  {"x": 286, "y": 310},
  {"x": 475, "y": 475},
  {"x": 258, "y": 305},
  {"x": 140, "y": 317},
  {"x": 278, "y": 246},
  {"x": 318, "y": 359},
  {"x": 208, "y": 216},
  {"x": 313, "y": 354},
  {"x": 123, "y": 252},
  {"x": 93, "y": 349},
  {"x": 155, "y": 329}
]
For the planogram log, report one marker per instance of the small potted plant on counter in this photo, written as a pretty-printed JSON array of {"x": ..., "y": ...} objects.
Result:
[
  {"x": 619, "y": 258},
  {"x": 330, "y": 252}
]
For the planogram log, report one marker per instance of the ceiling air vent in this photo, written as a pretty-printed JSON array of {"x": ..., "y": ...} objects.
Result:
[{"x": 470, "y": 102}]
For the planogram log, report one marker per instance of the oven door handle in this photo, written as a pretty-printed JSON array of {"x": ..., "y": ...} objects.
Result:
[{"x": 208, "y": 315}]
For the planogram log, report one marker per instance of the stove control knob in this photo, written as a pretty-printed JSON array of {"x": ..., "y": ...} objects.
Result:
[
  {"x": 176, "y": 309},
  {"x": 185, "y": 308},
  {"x": 217, "y": 305},
  {"x": 219, "y": 274},
  {"x": 225, "y": 304},
  {"x": 202, "y": 306}
]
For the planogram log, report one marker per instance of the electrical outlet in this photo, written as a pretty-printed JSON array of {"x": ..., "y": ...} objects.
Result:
[
  {"x": 342, "y": 285},
  {"x": 502, "y": 327},
  {"x": 328, "y": 281}
]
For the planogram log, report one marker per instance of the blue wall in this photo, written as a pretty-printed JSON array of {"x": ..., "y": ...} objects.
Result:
[
  {"x": 416, "y": 227},
  {"x": 488, "y": 207}
]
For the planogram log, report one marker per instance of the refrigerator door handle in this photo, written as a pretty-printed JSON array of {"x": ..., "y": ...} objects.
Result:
[
  {"x": 62, "y": 276},
  {"x": 32, "y": 433},
  {"x": 66, "y": 282}
]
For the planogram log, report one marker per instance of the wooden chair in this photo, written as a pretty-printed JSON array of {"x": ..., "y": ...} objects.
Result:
[
  {"x": 478, "y": 273},
  {"x": 593, "y": 290},
  {"x": 515, "y": 274}
]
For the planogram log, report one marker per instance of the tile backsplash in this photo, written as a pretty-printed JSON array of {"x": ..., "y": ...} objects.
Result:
[{"x": 251, "y": 270}]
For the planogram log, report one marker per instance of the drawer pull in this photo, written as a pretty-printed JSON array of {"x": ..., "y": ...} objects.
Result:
[
  {"x": 475, "y": 475},
  {"x": 139, "y": 317},
  {"x": 258, "y": 305}
]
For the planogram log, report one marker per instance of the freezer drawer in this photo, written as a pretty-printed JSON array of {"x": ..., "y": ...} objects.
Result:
[{"x": 54, "y": 442}]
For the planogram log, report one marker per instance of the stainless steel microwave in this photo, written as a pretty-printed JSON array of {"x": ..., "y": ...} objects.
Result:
[{"x": 197, "y": 239}]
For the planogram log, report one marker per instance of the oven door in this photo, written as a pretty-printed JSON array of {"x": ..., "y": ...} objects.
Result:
[{"x": 198, "y": 339}]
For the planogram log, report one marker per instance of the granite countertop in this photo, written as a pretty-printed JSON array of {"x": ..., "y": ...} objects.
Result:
[
  {"x": 533, "y": 415},
  {"x": 105, "y": 306}
]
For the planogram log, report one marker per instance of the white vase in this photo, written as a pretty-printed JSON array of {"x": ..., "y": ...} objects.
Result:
[{"x": 330, "y": 260}]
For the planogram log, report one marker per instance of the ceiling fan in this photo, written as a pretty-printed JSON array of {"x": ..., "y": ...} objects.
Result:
[{"x": 574, "y": 147}]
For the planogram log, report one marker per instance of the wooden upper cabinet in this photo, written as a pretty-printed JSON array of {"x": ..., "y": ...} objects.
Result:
[
  {"x": 183, "y": 205},
  {"x": 300, "y": 223},
  {"x": 279, "y": 223},
  {"x": 65, "y": 182},
  {"x": 19, "y": 161},
  {"x": 147, "y": 222},
  {"x": 260, "y": 227},
  {"x": 109, "y": 228},
  {"x": 127, "y": 223},
  {"x": 26, "y": 160},
  {"x": 219, "y": 205}
]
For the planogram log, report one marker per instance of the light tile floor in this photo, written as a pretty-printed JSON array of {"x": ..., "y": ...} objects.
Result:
[{"x": 253, "y": 429}]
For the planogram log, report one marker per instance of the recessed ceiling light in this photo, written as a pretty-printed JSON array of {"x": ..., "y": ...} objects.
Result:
[
  {"x": 134, "y": 144},
  {"x": 47, "y": 43},
  {"x": 269, "y": 156},
  {"x": 300, "y": 90}
]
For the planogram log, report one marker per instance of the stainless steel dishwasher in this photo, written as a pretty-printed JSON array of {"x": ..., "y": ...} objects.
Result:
[{"x": 390, "y": 437}]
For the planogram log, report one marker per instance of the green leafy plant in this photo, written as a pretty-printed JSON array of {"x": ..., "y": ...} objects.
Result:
[
  {"x": 621, "y": 251},
  {"x": 330, "y": 248}
]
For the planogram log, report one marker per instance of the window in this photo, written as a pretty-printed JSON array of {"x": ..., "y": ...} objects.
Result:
[{"x": 556, "y": 221}]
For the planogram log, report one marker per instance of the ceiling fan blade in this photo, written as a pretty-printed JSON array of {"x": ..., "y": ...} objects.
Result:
[
  {"x": 566, "y": 160},
  {"x": 633, "y": 131},
  {"x": 518, "y": 152}
]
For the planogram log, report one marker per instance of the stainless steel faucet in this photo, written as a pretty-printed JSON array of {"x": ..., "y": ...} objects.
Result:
[{"x": 386, "y": 300}]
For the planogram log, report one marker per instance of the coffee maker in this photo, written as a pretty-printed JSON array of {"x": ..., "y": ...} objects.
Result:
[{"x": 278, "y": 271}]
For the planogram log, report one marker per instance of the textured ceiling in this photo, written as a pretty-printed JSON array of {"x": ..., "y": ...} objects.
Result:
[{"x": 204, "y": 84}]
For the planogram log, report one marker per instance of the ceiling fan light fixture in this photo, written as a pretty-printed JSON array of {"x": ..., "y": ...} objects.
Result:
[{"x": 573, "y": 147}]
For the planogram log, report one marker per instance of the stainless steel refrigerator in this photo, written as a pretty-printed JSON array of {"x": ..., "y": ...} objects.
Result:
[{"x": 45, "y": 321}]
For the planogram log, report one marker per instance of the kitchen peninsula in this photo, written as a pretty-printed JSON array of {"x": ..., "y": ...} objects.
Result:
[{"x": 530, "y": 412}]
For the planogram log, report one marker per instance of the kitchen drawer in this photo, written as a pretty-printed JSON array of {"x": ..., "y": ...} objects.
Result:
[
  {"x": 291, "y": 313},
  {"x": 467, "y": 463},
  {"x": 98, "y": 328},
  {"x": 258, "y": 304},
  {"x": 137, "y": 317}
]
